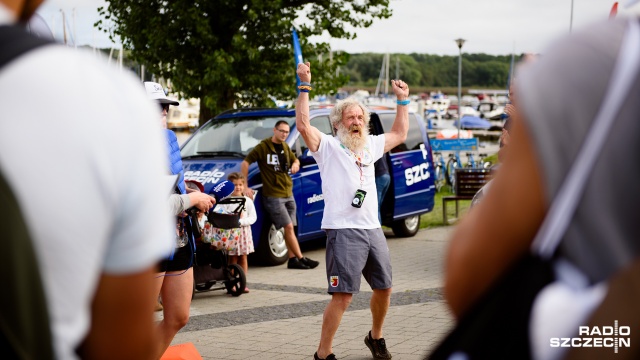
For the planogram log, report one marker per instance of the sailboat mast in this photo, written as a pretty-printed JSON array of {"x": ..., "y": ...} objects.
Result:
[
  {"x": 120, "y": 56},
  {"x": 386, "y": 78},
  {"x": 510, "y": 78},
  {"x": 75, "y": 38},
  {"x": 571, "y": 18},
  {"x": 64, "y": 28},
  {"x": 384, "y": 58}
]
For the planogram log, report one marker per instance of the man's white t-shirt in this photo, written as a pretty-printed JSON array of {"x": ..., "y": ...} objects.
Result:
[
  {"x": 82, "y": 148},
  {"x": 342, "y": 177}
]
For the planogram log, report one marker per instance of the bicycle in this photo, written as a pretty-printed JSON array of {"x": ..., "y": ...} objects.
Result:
[
  {"x": 485, "y": 164},
  {"x": 481, "y": 164},
  {"x": 452, "y": 165},
  {"x": 440, "y": 169}
]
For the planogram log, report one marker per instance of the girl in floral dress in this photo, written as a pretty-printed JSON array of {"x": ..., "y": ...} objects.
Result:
[{"x": 238, "y": 241}]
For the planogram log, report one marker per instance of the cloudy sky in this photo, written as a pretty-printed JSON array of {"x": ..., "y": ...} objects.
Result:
[{"x": 421, "y": 26}]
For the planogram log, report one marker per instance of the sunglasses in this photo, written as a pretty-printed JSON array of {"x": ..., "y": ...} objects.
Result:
[{"x": 164, "y": 107}]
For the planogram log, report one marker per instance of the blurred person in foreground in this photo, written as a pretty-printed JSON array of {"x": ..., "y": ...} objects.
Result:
[
  {"x": 175, "y": 282},
  {"x": 559, "y": 95},
  {"x": 93, "y": 196},
  {"x": 356, "y": 245}
]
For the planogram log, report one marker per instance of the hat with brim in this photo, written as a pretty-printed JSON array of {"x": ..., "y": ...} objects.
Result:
[{"x": 156, "y": 92}]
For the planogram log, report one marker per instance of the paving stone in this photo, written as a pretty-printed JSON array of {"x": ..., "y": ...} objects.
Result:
[{"x": 281, "y": 317}]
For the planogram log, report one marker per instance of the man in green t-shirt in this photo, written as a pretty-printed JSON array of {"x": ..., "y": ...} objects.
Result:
[{"x": 275, "y": 159}]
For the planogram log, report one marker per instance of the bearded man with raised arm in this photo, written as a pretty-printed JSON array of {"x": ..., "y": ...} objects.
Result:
[{"x": 355, "y": 241}]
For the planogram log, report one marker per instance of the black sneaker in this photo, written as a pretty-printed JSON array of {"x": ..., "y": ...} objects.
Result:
[
  {"x": 295, "y": 263},
  {"x": 329, "y": 357},
  {"x": 378, "y": 347},
  {"x": 310, "y": 263}
]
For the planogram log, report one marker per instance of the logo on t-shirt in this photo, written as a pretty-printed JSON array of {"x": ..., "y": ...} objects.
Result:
[
  {"x": 272, "y": 159},
  {"x": 275, "y": 160},
  {"x": 334, "y": 281}
]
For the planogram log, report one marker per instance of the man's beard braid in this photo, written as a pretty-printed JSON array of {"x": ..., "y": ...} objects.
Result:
[{"x": 353, "y": 142}]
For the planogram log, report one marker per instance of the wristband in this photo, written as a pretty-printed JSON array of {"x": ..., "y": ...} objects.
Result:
[
  {"x": 305, "y": 88},
  {"x": 403, "y": 102}
]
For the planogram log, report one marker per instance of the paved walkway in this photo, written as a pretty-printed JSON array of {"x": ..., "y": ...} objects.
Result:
[{"x": 282, "y": 315}]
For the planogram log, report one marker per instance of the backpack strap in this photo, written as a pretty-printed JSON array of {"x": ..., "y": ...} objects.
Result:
[
  {"x": 25, "y": 332},
  {"x": 24, "y": 319},
  {"x": 15, "y": 41}
]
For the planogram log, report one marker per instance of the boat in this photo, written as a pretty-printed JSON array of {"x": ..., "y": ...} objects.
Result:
[
  {"x": 473, "y": 122},
  {"x": 453, "y": 134},
  {"x": 184, "y": 117},
  {"x": 436, "y": 106}
]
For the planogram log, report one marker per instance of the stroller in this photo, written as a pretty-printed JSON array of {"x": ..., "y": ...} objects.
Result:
[{"x": 211, "y": 264}]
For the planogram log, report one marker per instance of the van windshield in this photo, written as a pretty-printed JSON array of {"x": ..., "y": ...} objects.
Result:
[{"x": 231, "y": 136}]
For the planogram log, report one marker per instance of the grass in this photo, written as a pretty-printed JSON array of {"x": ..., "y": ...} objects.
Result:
[
  {"x": 434, "y": 218},
  {"x": 493, "y": 159}
]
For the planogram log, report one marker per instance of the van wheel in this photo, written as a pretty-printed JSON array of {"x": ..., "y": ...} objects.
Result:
[
  {"x": 406, "y": 227},
  {"x": 272, "y": 249}
]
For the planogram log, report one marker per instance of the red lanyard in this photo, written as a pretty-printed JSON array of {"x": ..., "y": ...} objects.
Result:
[{"x": 359, "y": 165}]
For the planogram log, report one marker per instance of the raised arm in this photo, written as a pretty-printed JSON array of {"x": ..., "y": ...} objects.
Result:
[
  {"x": 398, "y": 133},
  {"x": 310, "y": 134}
]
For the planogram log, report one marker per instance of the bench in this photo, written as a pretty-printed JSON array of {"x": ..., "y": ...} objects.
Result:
[{"x": 468, "y": 182}]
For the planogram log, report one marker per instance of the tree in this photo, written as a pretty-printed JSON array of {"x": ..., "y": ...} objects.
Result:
[
  {"x": 230, "y": 51},
  {"x": 433, "y": 71}
]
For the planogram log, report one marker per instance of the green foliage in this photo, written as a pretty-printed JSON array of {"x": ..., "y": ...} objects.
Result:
[
  {"x": 431, "y": 71},
  {"x": 236, "y": 50}
]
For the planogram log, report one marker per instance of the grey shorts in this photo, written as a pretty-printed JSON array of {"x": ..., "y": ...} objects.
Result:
[
  {"x": 282, "y": 211},
  {"x": 351, "y": 252}
]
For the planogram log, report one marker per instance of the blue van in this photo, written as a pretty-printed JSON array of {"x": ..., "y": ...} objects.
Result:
[{"x": 220, "y": 145}]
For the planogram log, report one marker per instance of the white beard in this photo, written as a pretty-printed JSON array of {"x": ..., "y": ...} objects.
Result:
[{"x": 353, "y": 142}]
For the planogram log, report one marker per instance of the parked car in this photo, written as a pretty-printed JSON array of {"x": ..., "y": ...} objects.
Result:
[{"x": 219, "y": 146}]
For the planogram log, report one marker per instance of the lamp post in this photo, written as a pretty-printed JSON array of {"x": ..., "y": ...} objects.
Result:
[{"x": 459, "y": 42}]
